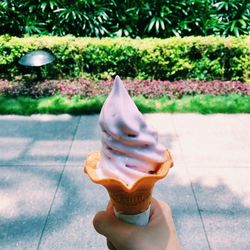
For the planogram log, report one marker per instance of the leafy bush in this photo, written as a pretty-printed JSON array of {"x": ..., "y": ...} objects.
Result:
[
  {"x": 203, "y": 58},
  {"x": 149, "y": 89},
  {"x": 98, "y": 18}
]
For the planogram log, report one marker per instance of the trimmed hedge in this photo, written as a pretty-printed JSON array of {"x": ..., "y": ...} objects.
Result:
[{"x": 203, "y": 58}]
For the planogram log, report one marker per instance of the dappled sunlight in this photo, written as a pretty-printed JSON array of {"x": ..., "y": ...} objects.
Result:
[
  {"x": 37, "y": 117},
  {"x": 219, "y": 186},
  {"x": 80, "y": 149},
  {"x": 53, "y": 118},
  {"x": 6, "y": 205},
  {"x": 29, "y": 195},
  {"x": 206, "y": 199},
  {"x": 29, "y": 151},
  {"x": 84, "y": 147},
  {"x": 177, "y": 176},
  {"x": 207, "y": 189},
  {"x": 167, "y": 135},
  {"x": 26, "y": 196},
  {"x": 49, "y": 148},
  {"x": 12, "y": 148},
  {"x": 233, "y": 180},
  {"x": 160, "y": 123},
  {"x": 36, "y": 139},
  {"x": 166, "y": 132}
]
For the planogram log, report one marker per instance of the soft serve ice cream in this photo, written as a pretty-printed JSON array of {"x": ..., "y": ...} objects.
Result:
[
  {"x": 131, "y": 160},
  {"x": 130, "y": 147}
]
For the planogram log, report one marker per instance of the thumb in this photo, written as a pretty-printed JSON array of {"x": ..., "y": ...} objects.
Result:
[{"x": 112, "y": 228}]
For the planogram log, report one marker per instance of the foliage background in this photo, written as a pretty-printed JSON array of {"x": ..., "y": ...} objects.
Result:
[
  {"x": 116, "y": 18},
  {"x": 203, "y": 58},
  {"x": 171, "y": 40}
]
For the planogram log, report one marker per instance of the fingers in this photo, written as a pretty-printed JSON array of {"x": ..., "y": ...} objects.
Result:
[
  {"x": 162, "y": 219},
  {"x": 107, "y": 224},
  {"x": 159, "y": 210},
  {"x": 112, "y": 228},
  {"x": 110, "y": 208},
  {"x": 110, "y": 245},
  {"x": 120, "y": 235}
]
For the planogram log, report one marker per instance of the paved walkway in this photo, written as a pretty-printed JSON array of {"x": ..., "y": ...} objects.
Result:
[{"x": 46, "y": 202}]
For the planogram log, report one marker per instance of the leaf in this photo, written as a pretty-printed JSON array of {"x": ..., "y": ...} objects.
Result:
[
  {"x": 151, "y": 24},
  {"x": 243, "y": 23},
  {"x": 219, "y": 5},
  {"x": 175, "y": 32},
  {"x": 85, "y": 17},
  {"x": 126, "y": 33},
  {"x": 79, "y": 16},
  {"x": 157, "y": 26},
  {"x": 236, "y": 31},
  {"x": 52, "y": 4},
  {"x": 74, "y": 15},
  {"x": 232, "y": 25},
  {"x": 31, "y": 8},
  {"x": 43, "y": 6},
  {"x": 96, "y": 31},
  {"x": 162, "y": 24},
  {"x": 226, "y": 6},
  {"x": 184, "y": 12},
  {"x": 99, "y": 19},
  {"x": 59, "y": 10},
  {"x": 119, "y": 33}
]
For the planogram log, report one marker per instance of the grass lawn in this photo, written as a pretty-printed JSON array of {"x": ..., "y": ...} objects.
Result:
[{"x": 205, "y": 104}]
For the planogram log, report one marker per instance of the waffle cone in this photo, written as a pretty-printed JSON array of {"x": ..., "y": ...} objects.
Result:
[{"x": 128, "y": 200}]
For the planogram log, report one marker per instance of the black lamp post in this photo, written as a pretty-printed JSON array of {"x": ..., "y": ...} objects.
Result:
[{"x": 37, "y": 59}]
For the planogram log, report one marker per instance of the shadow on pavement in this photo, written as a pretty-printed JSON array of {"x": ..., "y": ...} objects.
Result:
[{"x": 26, "y": 195}]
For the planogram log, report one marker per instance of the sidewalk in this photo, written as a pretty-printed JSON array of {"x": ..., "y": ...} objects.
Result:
[{"x": 47, "y": 202}]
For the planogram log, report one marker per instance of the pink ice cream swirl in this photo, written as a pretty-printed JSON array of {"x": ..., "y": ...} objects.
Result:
[{"x": 130, "y": 147}]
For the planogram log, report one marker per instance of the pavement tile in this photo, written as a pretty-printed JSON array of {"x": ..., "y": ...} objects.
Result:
[
  {"x": 87, "y": 139},
  {"x": 78, "y": 199},
  {"x": 177, "y": 192},
  {"x": 38, "y": 139},
  {"x": 25, "y": 197},
  {"x": 213, "y": 140},
  {"x": 208, "y": 189},
  {"x": 223, "y": 195},
  {"x": 69, "y": 225}
]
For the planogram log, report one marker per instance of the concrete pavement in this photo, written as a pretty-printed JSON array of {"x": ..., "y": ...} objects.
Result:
[{"x": 46, "y": 202}]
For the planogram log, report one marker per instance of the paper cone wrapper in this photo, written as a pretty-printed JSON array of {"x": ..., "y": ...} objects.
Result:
[{"x": 128, "y": 200}]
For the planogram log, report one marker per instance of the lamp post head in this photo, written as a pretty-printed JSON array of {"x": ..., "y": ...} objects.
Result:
[{"x": 36, "y": 58}]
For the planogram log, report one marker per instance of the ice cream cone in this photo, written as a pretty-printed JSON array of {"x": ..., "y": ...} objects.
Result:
[{"x": 126, "y": 199}]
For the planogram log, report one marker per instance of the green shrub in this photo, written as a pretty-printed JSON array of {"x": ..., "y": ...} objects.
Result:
[{"x": 203, "y": 58}]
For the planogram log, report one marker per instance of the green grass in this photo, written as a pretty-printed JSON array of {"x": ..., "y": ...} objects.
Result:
[{"x": 204, "y": 104}]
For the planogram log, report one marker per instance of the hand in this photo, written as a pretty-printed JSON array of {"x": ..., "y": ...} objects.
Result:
[{"x": 159, "y": 234}]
